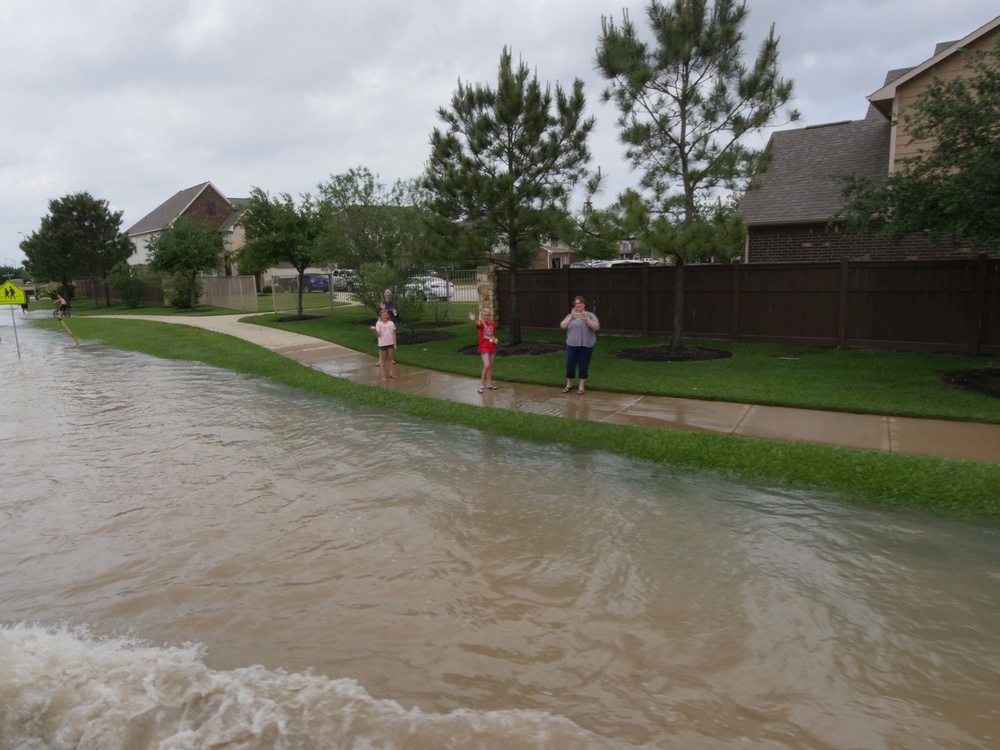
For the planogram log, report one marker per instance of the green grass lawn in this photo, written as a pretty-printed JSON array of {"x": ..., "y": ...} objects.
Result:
[
  {"x": 863, "y": 381},
  {"x": 957, "y": 489}
]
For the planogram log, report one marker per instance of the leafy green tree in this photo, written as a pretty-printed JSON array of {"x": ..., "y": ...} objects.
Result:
[
  {"x": 278, "y": 231},
  {"x": 373, "y": 223},
  {"x": 948, "y": 189},
  {"x": 185, "y": 249},
  {"x": 12, "y": 272},
  {"x": 594, "y": 233},
  {"x": 130, "y": 283},
  {"x": 505, "y": 164},
  {"x": 80, "y": 237},
  {"x": 687, "y": 103}
]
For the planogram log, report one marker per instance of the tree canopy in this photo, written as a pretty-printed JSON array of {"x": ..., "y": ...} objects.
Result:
[
  {"x": 687, "y": 103},
  {"x": 279, "y": 231},
  {"x": 948, "y": 189},
  {"x": 185, "y": 249},
  {"x": 373, "y": 223},
  {"x": 503, "y": 167},
  {"x": 80, "y": 237}
]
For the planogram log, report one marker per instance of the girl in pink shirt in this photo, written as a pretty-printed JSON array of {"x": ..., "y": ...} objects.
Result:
[{"x": 385, "y": 329}]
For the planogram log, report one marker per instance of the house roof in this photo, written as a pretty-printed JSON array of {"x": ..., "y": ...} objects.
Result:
[
  {"x": 239, "y": 208},
  {"x": 800, "y": 185},
  {"x": 885, "y": 96},
  {"x": 167, "y": 212}
]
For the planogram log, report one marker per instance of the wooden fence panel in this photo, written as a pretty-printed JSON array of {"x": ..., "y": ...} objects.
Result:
[
  {"x": 909, "y": 305},
  {"x": 989, "y": 330},
  {"x": 789, "y": 303},
  {"x": 942, "y": 305}
]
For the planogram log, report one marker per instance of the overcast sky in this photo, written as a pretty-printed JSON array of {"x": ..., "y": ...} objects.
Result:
[{"x": 133, "y": 101}]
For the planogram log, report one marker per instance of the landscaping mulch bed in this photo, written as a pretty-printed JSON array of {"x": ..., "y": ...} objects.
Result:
[
  {"x": 526, "y": 349},
  {"x": 984, "y": 380},
  {"x": 666, "y": 354},
  {"x": 294, "y": 318}
]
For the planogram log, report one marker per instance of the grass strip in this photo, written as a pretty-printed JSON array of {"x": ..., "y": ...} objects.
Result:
[
  {"x": 943, "y": 487},
  {"x": 889, "y": 383}
]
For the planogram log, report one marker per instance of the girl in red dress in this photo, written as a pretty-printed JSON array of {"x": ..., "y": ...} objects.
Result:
[{"x": 487, "y": 347}]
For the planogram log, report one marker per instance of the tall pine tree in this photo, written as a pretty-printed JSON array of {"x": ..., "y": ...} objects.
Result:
[
  {"x": 503, "y": 167},
  {"x": 687, "y": 103}
]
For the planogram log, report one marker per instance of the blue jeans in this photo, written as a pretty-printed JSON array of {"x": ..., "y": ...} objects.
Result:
[{"x": 578, "y": 356}]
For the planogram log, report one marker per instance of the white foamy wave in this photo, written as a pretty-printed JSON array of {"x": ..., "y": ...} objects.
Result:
[{"x": 63, "y": 688}]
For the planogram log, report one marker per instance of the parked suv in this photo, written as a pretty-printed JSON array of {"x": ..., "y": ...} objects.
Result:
[
  {"x": 343, "y": 279},
  {"x": 314, "y": 282}
]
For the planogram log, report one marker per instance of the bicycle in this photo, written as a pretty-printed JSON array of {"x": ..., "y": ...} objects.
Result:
[{"x": 60, "y": 313}]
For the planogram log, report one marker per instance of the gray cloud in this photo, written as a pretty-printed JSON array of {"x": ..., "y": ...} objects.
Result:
[{"x": 135, "y": 101}]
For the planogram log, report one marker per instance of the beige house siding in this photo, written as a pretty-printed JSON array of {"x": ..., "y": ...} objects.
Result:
[{"x": 952, "y": 67}]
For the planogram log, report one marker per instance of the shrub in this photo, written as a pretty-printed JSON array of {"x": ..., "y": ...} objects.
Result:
[
  {"x": 129, "y": 285},
  {"x": 179, "y": 291}
]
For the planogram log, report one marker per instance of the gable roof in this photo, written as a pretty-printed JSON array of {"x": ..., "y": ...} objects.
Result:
[
  {"x": 167, "y": 212},
  {"x": 239, "y": 208},
  {"x": 800, "y": 186},
  {"x": 885, "y": 96}
]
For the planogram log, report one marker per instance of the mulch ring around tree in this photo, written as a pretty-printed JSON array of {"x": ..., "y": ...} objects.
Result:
[
  {"x": 419, "y": 333},
  {"x": 666, "y": 354},
  {"x": 983, "y": 380},
  {"x": 294, "y": 318},
  {"x": 524, "y": 349}
]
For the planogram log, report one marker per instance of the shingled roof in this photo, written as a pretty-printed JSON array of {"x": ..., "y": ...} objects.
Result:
[
  {"x": 167, "y": 212},
  {"x": 800, "y": 185}
]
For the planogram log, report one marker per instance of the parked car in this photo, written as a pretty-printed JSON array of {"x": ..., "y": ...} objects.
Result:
[
  {"x": 618, "y": 263},
  {"x": 343, "y": 279},
  {"x": 431, "y": 287},
  {"x": 314, "y": 282}
]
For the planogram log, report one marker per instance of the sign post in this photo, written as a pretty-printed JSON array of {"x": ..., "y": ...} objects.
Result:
[{"x": 13, "y": 295}]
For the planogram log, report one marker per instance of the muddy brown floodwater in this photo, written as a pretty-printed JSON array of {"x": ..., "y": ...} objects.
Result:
[{"x": 194, "y": 558}]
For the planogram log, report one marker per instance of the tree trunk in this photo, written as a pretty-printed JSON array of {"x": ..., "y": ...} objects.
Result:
[
  {"x": 677, "y": 334},
  {"x": 194, "y": 292},
  {"x": 515, "y": 314}
]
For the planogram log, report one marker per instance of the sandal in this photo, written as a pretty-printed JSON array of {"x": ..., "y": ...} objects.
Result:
[
  {"x": 567, "y": 389},
  {"x": 392, "y": 376},
  {"x": 481, "y": 389},
  {"x": 491, "y": 387},
  {"x": 580, "y": 391}
]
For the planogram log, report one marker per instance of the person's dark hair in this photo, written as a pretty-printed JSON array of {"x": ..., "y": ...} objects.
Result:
[{"x": 581, "y": 298}]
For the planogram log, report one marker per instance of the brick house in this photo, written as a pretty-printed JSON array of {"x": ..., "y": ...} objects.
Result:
[
  {"x": 203, "y": 203},
  {"x": 789, "y": 208}
]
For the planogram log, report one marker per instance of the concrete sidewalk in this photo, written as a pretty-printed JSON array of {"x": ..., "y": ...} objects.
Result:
[{"x": 924, "y": 437}]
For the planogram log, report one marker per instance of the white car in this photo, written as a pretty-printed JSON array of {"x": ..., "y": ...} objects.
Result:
[{"x": 431, "y": 287}]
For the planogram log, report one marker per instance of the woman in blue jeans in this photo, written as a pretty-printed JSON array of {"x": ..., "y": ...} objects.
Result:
[{"x": 581, "y": 327}]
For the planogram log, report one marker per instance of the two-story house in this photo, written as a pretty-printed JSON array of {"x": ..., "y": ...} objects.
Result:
[{"x": 788, "y": 210}]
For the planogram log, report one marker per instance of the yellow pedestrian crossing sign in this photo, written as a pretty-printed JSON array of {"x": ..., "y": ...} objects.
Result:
[{"x": 12, "y": 295}]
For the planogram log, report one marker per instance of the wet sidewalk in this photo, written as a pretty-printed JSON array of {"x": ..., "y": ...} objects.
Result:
[{"x": 924, "y": 437}]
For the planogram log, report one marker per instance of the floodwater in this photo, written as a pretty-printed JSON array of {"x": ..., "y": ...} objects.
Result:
[{"x": 193, "y": 559}]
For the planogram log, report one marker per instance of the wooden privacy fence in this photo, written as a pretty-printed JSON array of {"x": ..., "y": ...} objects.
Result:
[{"x": 950, "y": 306}]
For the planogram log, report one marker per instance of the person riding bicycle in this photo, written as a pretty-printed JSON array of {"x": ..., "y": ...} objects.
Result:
[{"x": 62, "y": 305}]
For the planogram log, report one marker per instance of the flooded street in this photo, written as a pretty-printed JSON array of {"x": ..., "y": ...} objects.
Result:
[{"x": 190, "y": 558}]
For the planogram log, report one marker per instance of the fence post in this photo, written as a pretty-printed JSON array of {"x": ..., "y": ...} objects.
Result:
[
  {"x": 978, "y": 306},
  {"x": 842, "y": 305},
  {"x": 645, "y": 301},
  {"x": 734, "y": 318}
]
